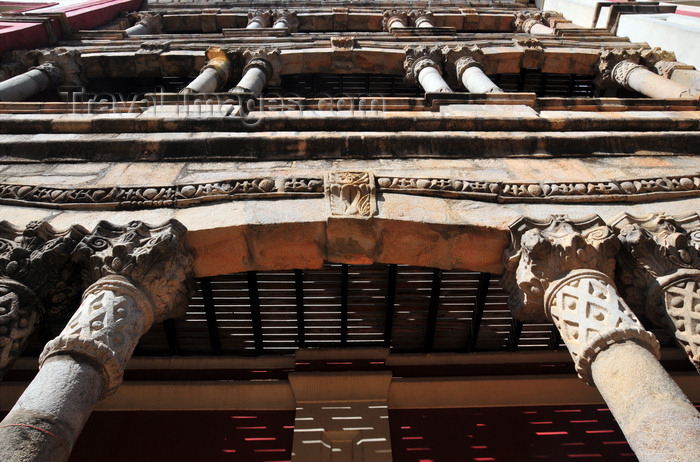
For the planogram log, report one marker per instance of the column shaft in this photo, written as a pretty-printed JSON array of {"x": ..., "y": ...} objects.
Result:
[
  {"x": 253, "y": 81},
  {"x": 431, "y": 80},
  {"x": 657, "y": 419},
  {"x": 255, "y": 23},
  {"x": 137, "y": 29},
  {"x": 206, "y": 82},
  {"x": 23, "y": 86},
  {"x": 474, "y": 80},
  {"x": 541, "y": 29},
  {"x": 639, "y": 78}
]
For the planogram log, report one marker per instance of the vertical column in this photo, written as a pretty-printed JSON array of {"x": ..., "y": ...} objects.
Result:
[
  {"x": 531, "y": 23},
  {"x": 137, "y": 275},
  {"x": 285, "y": 19},
  {"x": 621, "y": 68},
  {"x": 661, "y": 274},
  {"x": 213, "y": 75},
  {"x": 562, "y": 271},
  {"x": 423, "y": 65},
  {"x": 259, "y": 19},
  {"x": 261, "y": 69},
  {"x": 148, "y": 23},
  {"x": 38, "y": 283},
  {"x": 462, "y": 64},
  {"x": 394, "y": 19},
  {"x": 422, "y": 18}
]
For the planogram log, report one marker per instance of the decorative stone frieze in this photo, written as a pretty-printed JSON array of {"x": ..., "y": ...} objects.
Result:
[
  {"x": 562, "y": 270},
  {"x": 342, "y": 43},
  {"x": 38, "y": 283},
  {"x": 660, "y": 272},
  {"x": 423, "y": 66},
  {"x": 154, "y": 47},
  {"x": 137, "y": 275},
  {"x": 352, "y": 194},
  {"x": 394, "y": 18},
  {"x": 259, "y": 19},
  {"x": 422, "y": 18},
  {"x": 285, "y": 19}
]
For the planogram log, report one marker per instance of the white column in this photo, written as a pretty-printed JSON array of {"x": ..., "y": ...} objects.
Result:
[
  {"x": 561, "y": 270},
  {"x": 32, "y": 82},
  {"x": 149, "y": 24},
  {"x": 285, "y": 19},
  {"x": 422, "y": 18},
  {"x": 394, "y": 19},
  {"x": 258, "y": 19},
  {"x": 262, "y": 69},
  {"x": 422, "y": 66},
  {"x": 636, "y": 77},
  {"x": 470, "y": 73},
  {"x": 139, "y": 275},
  {"x": 531, "y": 23}
]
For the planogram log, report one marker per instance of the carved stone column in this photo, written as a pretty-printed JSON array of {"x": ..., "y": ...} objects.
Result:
[
  {"x": 660, "y": 272},
  {"x": 422, "y": 18},
  {"x": 531, "y": 23},
  {"x": 622, "y": 68},
  {"x": 54, "y": 68},
  {"x": 285, "y": 19},
  {"x": 259, "y": 19},
  {"x": 213, "y": 75},
  {"x": 463, "y": 66},
  {"x": 394, "y": 19},
  {"x": 262, "y": 68},
  {"x": 423, "y": 65},
  {"x": 38, "y": 283},
  {"x": 148, "y": 23},
  {"x": 562, "y": 271},
  {"x": 137, "y": 275}
]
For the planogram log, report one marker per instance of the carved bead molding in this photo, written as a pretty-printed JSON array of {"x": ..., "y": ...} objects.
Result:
[
  {"x": 138, "y": 275},
  {"x": 660, "y": 272},
  {"x": 420, "y": 57},
  {"x": 609, "y": 59},
  {"x": 352, "y": 194},
  {"x": 218, "y": 60},
  {"x": 460, "y": 58},
  {"x": 288, "y": 18},
  {"x": 265, "y": 59},
  {"x": 561, "y": 270},
  {"x": 390, "y": 16},
  {"x": 261, "y": 17},
  {"x": 38, "y": 283}
]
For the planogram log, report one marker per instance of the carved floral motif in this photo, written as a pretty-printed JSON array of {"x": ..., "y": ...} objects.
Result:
[{"x": 352, "y": 194}]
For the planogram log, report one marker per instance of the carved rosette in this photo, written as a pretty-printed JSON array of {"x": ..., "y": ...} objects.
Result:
[
  {"x": 352, "y": 194},
  {"x": 391, "y": 16},
  {"x": 562, "y": 270},
  {"x": 38, "y": 283},
  {"x": 218, "y": 60},
  {"x": 138, "y": 275},
  {"x": 286, "y": 17},
  {"x": 460, "y": 58},
  {"x": 524, "y": 21},
  {"x": 660, "y": 269},
  {"x": 421, "y": 16},
  {"x": 420, "y": 57},
  {"x": 610, "y": 73},
  {"x": 265, "y": 59},
  {"x": 262, "y": 17}
]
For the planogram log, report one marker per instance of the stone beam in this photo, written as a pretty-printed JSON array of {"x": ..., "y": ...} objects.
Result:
[
  {"x": 137, "y": 275},
  {"x": 563, "y": 271}
]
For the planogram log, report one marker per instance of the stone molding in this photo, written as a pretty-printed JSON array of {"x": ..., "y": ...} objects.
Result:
[
  {"x": 420, "y": 57},
  {"x": 660, "y": 273},
  {"x": 38, "y": 282},
  {"x": 289, "y": 18},
  {"x": 352, "y": 194},
  {"x": 390, "y": 16},
  {"x": 262, "y": 188},
  {"x": 265, "y": 59},
  {"x": 261, "y": 17}
]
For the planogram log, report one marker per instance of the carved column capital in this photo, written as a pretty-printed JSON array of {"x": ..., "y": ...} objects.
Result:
[
  {"x": 653, "y": 55},
  {"x": 288, "y": 18},
  {"x": 608, "y": 69},
  {"x": 667, "y": 68},
  {"x": 61, "y": 65},
  {"x": 460, "y": 58},
  {"x": 38, "y": 282},
  {"x": 523, "y": 21},
  {"x": 218, "y": 60},
  {"x": 420, "y": 57},
  {"x": 265, "y": 59},
  {"x": 262, "y": 17},
  {"x": 150, "y": 20},
  {"x": 421, "y": 16},
  {"x": 389, "y": 16}
]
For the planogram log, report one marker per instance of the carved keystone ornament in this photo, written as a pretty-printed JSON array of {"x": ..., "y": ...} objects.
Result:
[
  {"x": 352, "y": 194},
  {"x": 561, "y": 270}
]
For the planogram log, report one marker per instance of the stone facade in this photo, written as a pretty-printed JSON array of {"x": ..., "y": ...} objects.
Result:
[{"x": 180, "y": 143}]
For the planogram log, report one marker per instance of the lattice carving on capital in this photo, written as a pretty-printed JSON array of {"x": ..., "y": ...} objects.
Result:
[
  {"x": 390, "y": 16},
  {"x": 111, "y": 319},
  {"x": 154, "y": 258},
  {"x": 610, "y": 73},
  {"x": 419, "y": 16},
  {"x": 591, "y": 316},
  {"x": 420, "y": 57},
  {"x": 288, "y": 17},
  {"x": 543, "y": 251},
  {"x": 682, "y": 301},
  {"x": 459, "y": 58},
  {"x": 262, "y": 17},
  {"x": 38, "y": 283},
  {"x": 352, "y": 194},
  {"x": 524, "y": 20},
  {"x": 266, "y": 59}
]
